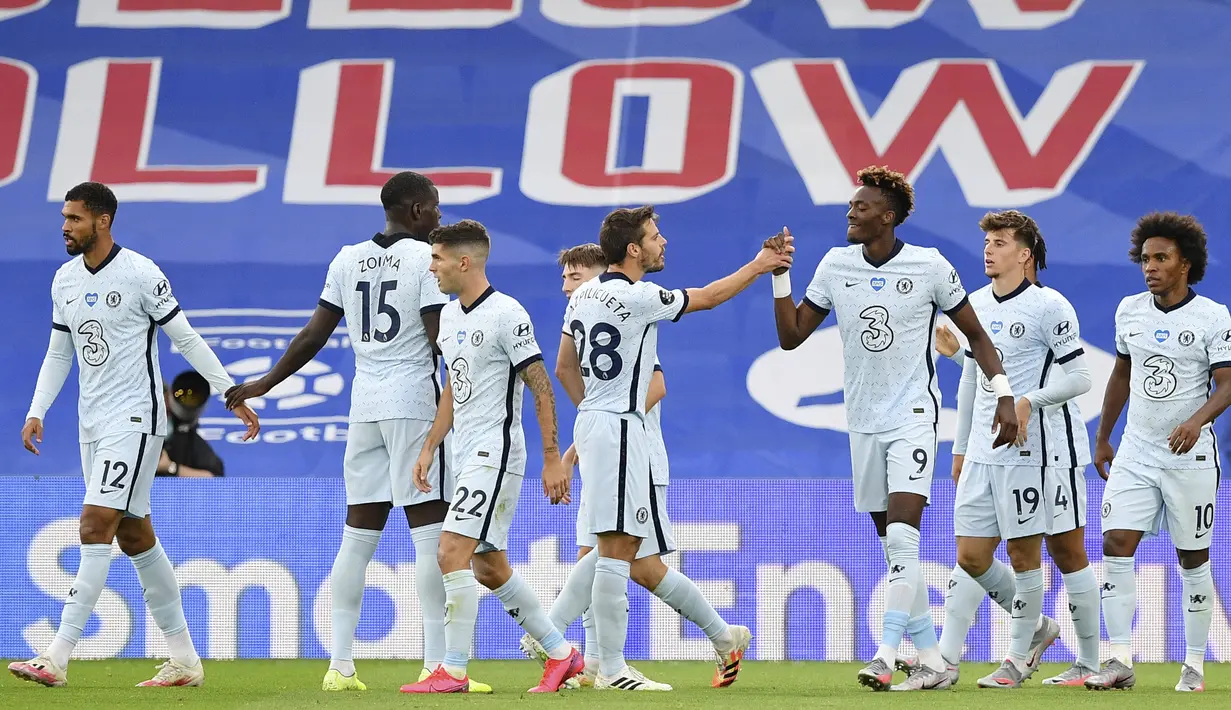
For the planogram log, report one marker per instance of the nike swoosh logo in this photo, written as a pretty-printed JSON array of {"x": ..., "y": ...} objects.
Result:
[
  {"x": 1023, "y": 522},
  {"x": 915, "y": 478},
  {"x": 850, "y": 284},
  {"x": 69, "y": 302},
  {"x": 1198, "y": 536},
  {"x": 1133, "y": 335}
]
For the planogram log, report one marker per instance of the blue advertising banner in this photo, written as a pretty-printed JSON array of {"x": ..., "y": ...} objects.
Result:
[
  {"x": 253, "y": 559},
  {"x": 247, "y": 140}
]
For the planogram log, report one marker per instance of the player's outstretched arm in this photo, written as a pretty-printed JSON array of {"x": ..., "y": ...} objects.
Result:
[
  {"x": 435, "y": 435},
  {"x": 306, "y": 344},
  {"x": 726, "y": 288},
  {"x": 794, "y": 322},
  {"x": 556, "y": 478},
  {"x": 1005, "y": 422},
  {"x": 568, "y": 370},
  {"x": 51, "y": 376},
  {"x": 198, "y": 354},
  {"x": 1185, "y": 436},
  {"x": 1114, "y": 399}
]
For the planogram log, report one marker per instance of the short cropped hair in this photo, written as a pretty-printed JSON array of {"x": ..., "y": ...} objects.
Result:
[
  {"x": 405, "y": 187},
  {"x": 1183, "y": 229},
  {"x": 583, "y": 256},
  {"x": 464, "y": 233},
  {"x": 898, "y": 192},
  {"x": 97, "y": 197},
  {"x": 1025, "y": 230},
  {"x": 621, "y": 228}
]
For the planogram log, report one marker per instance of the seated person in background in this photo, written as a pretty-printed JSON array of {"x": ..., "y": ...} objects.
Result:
[{"x": 185, "y": 453}]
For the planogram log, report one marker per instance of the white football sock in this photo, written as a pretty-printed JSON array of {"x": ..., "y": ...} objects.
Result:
[
  {"x": 347, "y": 581},
  {"x": 961, "y": 605},
  {"x": 921, "y": 629},
  {"x": 611, "y": 613},
  {"x": 1119, "y": 606},
  {"x": 1027, "y": 607},
  {"x": 430, "y": 585},
  {"x": 162, "y": 596},
  {"x": 680, "y": 593},
  {"x": 1082, "y": 587},
  {"x": 523, "y": 605},
  {"x": 461, "y": 610},
  {"x": 87, "y": 585},
  {"x": 1198, "y": 611},
  {"x": 591, "y": 654},
  {"x": 999, "y": 584},
  {"x": 902, "y": 541},
  {"x": 574, "y": 597}
]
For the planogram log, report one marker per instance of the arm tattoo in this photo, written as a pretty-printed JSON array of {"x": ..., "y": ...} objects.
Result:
[{"x": 535, "y": 377}]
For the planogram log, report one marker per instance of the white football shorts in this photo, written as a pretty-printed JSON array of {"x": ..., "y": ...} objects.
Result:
[
  {"x": 484, "y": 503},
  {"x": 662, "y": 536},
  {"x": 379, "y": 463},
  {"x": 119, "y": 471},
  {"x": 1143, "y": 497},
  {"x": 900, "y": 460},
  {"x": 613, "y": 454},
  {"x": 1007, "y": 502},
  {"x": 1066, "y": 498}
]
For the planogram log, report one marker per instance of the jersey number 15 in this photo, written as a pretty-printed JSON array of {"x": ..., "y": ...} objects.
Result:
[{"x": 395, "y": 319}]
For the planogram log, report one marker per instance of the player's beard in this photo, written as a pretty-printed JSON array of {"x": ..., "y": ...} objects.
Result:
[
  {"x": 656, "y": 265},
  {"x": 80, "y": 247}
]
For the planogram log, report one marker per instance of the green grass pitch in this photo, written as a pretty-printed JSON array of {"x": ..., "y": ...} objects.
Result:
[{"x": 286, "y": 685}]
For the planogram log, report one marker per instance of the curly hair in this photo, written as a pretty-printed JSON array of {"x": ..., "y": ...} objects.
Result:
[
  {"x": 622, "y": 227},
  {"x": 97, "y": 198},
  {"x": 1025, "y": 231},
  {"x": 898, "y": 192},
  {"x": 1183, "y": 229}
]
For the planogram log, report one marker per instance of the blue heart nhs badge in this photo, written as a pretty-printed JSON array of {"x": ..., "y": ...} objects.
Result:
[
  {"x": 91, "y": 299},
  {"x": 1162, "y": 335},
  {"x": 877, "y": 283},
  {"x": 461, "y": 337},
  {"x": 997, "y": 326}
]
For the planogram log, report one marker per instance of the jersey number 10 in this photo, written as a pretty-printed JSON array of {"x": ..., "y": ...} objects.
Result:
[{"x": 395, "y": 320}]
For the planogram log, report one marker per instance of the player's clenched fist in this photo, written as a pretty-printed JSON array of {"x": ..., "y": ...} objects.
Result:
[
  {"x": 775, "y": 255},
  {"x": 32, "y": 432},
  {"x": 783, "y": 243}
]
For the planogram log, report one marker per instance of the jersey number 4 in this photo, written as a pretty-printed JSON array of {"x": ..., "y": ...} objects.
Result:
[
  {"x": 395, "y": 319},
  {"x": 598, "y": 349}
]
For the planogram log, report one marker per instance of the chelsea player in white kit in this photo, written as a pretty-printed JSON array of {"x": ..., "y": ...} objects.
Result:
[
  {"x": 1172, "y": 344},
  {"x": 605, "y": 363},
  {"x": 392, "y": 307},
  {"x": 886, "y": 294},
  {"x": 1023, "y": 492},
  {"x": 1064, "y": 434},
  {"x": 581, "y": 264},
  {"x": 490, "y": 355},
  {"x": 107, "y": 306}
]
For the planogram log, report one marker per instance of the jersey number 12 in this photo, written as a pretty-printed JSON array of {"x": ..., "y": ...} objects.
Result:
[{"x": 395, "y": 320}]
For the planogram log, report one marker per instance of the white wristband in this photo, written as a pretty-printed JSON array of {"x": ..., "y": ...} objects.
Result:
[
  {"x": 1000, "y": 385},
  {"x": 782, "y": 285}
]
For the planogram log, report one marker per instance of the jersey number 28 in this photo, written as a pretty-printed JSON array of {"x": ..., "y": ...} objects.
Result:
[{"x": 610, "y": 369}]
